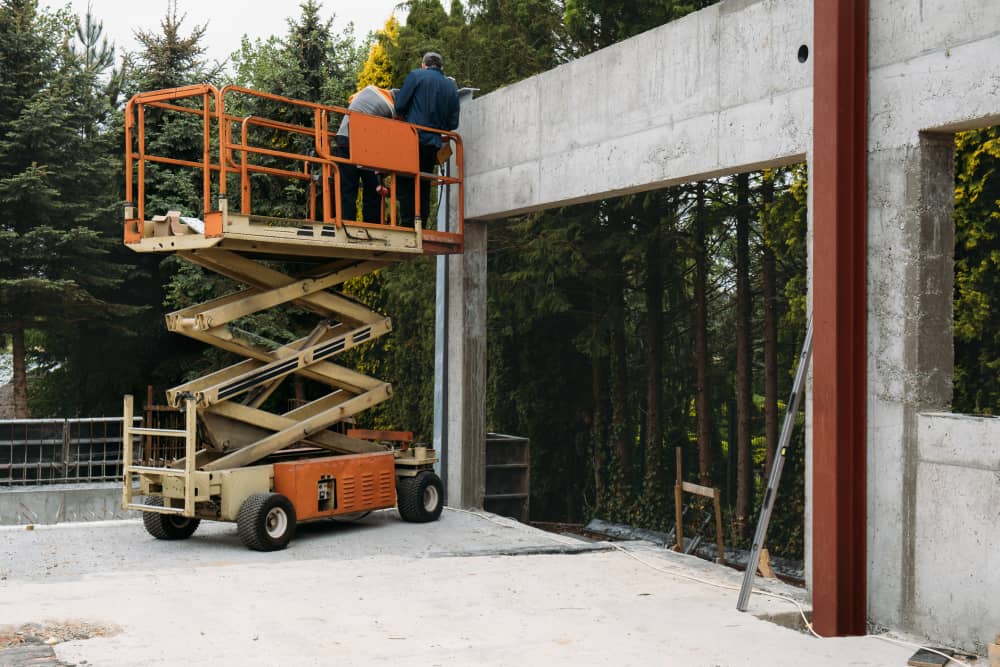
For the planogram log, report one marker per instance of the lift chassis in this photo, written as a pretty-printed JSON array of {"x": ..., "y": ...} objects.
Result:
[{"x": 237, "y": 459}]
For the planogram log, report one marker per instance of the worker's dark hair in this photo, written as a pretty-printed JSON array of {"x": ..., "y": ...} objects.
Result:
[{"x": 432, "y": 59}]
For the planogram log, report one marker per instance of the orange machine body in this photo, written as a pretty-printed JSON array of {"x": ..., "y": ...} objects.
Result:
[{"x": 337, "y": 484}]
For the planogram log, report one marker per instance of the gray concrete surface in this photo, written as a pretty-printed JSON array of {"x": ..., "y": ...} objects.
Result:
[
  {"x": 386, "y": 592},
  {"x": 721, "y": 91},
  {"x": 958, "y": 492},
  {"x": 61, "y": 503},
  {"x": 717, "y": 91},
  {"x": 934, "y": 68}
]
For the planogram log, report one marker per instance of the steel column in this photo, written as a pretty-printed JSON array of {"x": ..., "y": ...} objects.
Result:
[{"x": 839, "y": 182}]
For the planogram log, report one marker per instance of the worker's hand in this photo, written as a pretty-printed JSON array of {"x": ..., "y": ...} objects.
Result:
[{"x": 444, "y": 153}]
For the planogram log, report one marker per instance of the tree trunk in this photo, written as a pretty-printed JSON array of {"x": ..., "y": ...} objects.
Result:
[
  {"x": 703, "y": 403},
  {"x": 654, "y": 354},
  {"x": 20, "y": 379},
  {"x": 770, "y": 329},
  {"x": 619, "y": 374},
  {"x": 744, "y": 465},
  {"x": 598, "y": 422}
]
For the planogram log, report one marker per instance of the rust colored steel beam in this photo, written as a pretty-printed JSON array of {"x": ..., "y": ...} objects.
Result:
[{"x": 839, "y": 181}]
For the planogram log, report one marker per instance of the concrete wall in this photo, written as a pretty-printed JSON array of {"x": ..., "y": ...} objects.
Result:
[
  {"x": 62, "y": 503},
  {"x": 934, "y": 68},
  {"x": 957, "y": 528},
  {"x": 722, "y": 91}
]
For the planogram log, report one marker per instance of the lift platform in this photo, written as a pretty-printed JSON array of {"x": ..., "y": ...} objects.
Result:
[{"x": 238, "y": 458}]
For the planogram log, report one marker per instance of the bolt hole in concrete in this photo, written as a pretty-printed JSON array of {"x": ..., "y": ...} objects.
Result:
[{"x": 803, "y": 53}]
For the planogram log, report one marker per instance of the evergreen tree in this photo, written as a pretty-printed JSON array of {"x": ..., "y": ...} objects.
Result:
[
  {"x": 56, "y": 172},
  {"x": 311, "y": 63},
  {"x": 510, "y": 40},
  {"x": 426, "y": 29},
  {"x": 378, "y": 68},
  {"x": 596, "y": 24}
]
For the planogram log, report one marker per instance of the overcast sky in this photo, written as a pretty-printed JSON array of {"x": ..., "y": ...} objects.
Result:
[{"x": 228, "y": 20}]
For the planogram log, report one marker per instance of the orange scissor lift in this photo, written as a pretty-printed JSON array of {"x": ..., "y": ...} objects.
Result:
[{"x": 236, "y": 460}]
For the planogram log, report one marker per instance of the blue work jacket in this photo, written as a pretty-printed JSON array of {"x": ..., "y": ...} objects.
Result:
[{"x": 429, "y": 98}]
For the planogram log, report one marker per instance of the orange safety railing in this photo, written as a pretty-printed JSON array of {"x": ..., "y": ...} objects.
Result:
[{"x": 229, "y": 148}]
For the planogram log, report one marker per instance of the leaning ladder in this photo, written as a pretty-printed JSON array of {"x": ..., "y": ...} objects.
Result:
[{"x": 798, "y": 387}]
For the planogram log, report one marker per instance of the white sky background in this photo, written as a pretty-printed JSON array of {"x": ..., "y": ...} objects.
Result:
[{"x": 228, "y": 20}]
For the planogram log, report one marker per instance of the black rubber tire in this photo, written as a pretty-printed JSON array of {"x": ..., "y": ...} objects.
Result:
[
  {"x": 420, "y": 499},
  {"x": 167, "y": 526},
  {"x": 266, "y": 522}
]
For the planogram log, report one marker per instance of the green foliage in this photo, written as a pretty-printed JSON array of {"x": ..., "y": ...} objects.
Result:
[
  {"x": 59, "y": 270},
  {"x": 508, "y": 40},
  {"x": 169, "y": 58},
  {"x": 406, "y": 356},
  {"x": 977, "y": 272},
  {"x": 427, "y": 28},
  {"x": 378, "y": 68},
  {"x": 596, "y": 24}
]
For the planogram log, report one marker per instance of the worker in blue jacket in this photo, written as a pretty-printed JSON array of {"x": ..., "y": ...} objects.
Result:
[{"x": 427, "y": 98}]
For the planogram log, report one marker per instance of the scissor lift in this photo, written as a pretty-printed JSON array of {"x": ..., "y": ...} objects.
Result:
[{"x": 236, "y": 460}]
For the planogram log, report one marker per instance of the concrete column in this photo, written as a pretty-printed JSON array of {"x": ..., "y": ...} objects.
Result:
[
  {"x": 911, "y": 359},
  {"x": 465, "y": 393}
]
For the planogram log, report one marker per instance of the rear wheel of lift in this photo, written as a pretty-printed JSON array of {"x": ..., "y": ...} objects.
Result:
[
  {"x": 167, "y": 526},
  {"x": 266, "y": 522},
  {"x": 420, "y": 499}
]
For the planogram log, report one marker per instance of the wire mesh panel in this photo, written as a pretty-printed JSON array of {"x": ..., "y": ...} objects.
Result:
[
  {"x": 58, "y": 451},
  {"x": 158, "y": 450}
]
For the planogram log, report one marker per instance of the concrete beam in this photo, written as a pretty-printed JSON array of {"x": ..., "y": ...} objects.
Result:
[{"x": 719, "y": 91}]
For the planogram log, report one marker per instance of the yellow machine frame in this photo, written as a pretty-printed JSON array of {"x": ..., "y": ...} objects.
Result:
[{"x": 229, "y": 439}]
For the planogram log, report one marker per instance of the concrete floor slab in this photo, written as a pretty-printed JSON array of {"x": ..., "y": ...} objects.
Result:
[{"x": 385, "y": 592}]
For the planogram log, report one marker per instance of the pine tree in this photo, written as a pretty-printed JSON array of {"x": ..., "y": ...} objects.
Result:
[{"x": 55, "y": 175}]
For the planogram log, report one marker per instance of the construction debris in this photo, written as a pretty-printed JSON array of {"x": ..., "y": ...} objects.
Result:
[{"x": 52, "y": 632}]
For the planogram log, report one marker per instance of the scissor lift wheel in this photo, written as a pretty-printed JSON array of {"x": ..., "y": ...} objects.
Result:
[
  {"x": 167, "y": 526},
  {"x": 420, "y": 499},
  {"x": 266, "y": 522}
]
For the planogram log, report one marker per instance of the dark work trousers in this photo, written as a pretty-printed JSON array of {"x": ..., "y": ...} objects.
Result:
[
  {"x": 350, "y": 178},
  {"x": 404, "y": 191}
]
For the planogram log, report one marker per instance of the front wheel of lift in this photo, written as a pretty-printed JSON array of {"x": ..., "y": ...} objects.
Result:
[
  {"x": 266, "y": 522},
  {"x": 167, "y": 526},
  {"x": 420, "y": 499}
]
